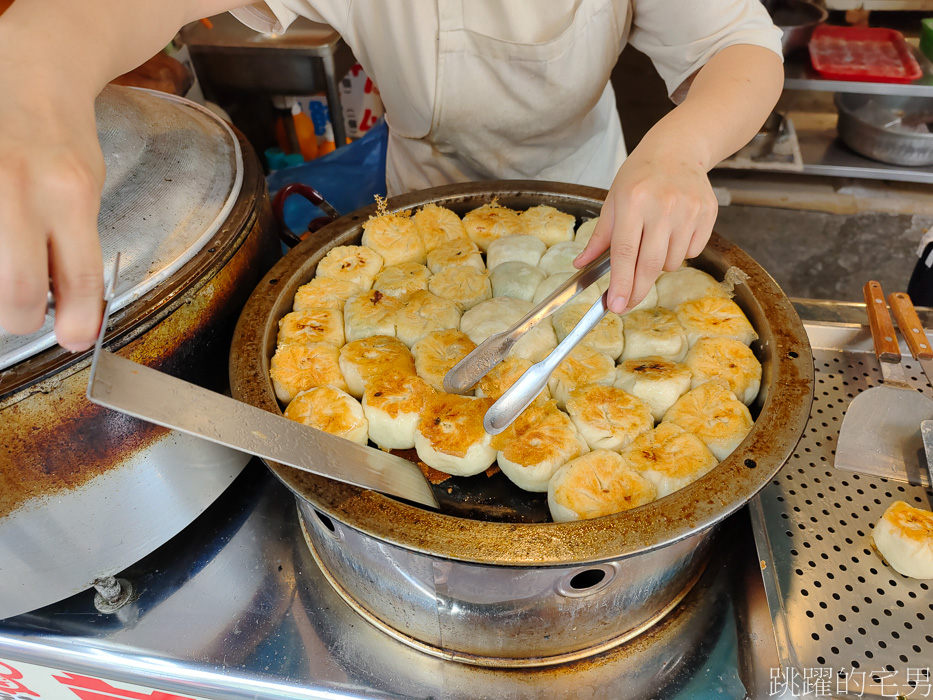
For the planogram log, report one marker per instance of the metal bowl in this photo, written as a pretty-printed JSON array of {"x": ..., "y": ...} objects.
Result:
[
  {"x": 519, "y": 593},
  {"x": 871, "y": 126},
  {"x": 797, "y": 20}
]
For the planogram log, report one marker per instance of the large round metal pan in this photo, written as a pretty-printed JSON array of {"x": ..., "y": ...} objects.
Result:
[{"x": 781, "y": 411}]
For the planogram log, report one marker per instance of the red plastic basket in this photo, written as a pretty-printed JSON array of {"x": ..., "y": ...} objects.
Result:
[{"x": 863, "y": 53}]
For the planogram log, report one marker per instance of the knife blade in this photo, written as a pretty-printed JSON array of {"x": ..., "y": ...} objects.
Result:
[
  {"x": 142, "y": 392},
  {"x": 911, "y": 328}
]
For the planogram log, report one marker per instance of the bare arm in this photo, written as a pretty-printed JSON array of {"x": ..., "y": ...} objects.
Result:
[
  {"x": 55, "y": 56},
  {"x": 661, "y": 208}
]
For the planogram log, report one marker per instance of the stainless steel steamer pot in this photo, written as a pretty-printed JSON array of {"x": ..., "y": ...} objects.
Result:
[{"x": 526, "y": 594}]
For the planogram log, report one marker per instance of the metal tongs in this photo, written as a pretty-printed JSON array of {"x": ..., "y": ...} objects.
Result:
[{"x": 493, "y": 350}]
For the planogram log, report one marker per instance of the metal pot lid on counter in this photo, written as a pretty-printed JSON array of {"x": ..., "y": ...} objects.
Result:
[
  {"x": 85, "y": 491},
  {"x": 174, "y": 171}
]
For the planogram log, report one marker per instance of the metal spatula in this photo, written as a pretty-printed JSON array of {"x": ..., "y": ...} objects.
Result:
[
  {"x": 880, "y": 433},
  {"x": 145, "y": 393}
]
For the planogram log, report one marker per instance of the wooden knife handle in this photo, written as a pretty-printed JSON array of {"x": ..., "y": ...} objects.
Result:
[
  {"x": 909, "y": 323},
  {"x": 879, "y": 320}
]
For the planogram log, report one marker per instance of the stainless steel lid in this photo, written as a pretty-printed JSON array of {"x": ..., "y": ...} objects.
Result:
[{"x": 174, "y": 171}]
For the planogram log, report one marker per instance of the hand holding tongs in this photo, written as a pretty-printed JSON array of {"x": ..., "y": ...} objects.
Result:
[{"x": 493, "y": 350}]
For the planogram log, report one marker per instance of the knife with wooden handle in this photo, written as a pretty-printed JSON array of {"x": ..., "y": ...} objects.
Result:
[{"x": 913, "y": 332}]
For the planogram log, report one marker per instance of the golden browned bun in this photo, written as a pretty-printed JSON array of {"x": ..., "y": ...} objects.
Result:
[
  {"x": 656, "y": 381},
  {"x": 356, "y": 264},
  {"x": 598, "y": 483},
  {"x": 904, "y": 537},
  {"x": 462, "y": 284},
  {"x": 715, "y": 317},
  {"x": 438, "y": 225},
  {"x": 401, "y": 281},
  {"x": 299, "y": 367},
  {"x": 504, "y": 375},
  {"x": 332, "y": 410},
  {"x": 393, "y": 403},
  {"x": 450, "y": 436},
  {"x": 364, "y": 359},
  {"x": 370, "y": 313},
  {"x": 438, "y": 352},
  {"x": 395, "y": 237},
  {"x": 581, "y": 367},
  {"x": 425, "y": 313},
  {"x": 607, "y": 417},
  {"x": 548, "y": 224},
  {"x": 728, "y": 360},
  {"x": 669, "y": 457},
  {"x": 489, "y": 222},
  {"x": 608, "y": 336},
  {"x": 537, "y": 443},
  {"x": 713, "y": 414},
  {"x": 461, "y": 251},
  {"x": 324, "y": 293},
  {"x": 311, "y": 326}
]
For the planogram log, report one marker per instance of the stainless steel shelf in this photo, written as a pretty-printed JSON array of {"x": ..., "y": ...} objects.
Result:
[
  {"x": 823, "y": 154},
  {"x": 799, "y": 75}
]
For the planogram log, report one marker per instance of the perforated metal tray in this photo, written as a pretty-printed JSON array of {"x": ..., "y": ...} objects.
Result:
[{"x": 846, "y": 624}]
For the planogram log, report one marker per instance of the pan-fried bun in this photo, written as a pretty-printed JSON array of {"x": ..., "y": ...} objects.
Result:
[
  {"x": 324, "y": 293},
  {"x": 728, "y": 360},
  {"x": 607, "y": 417},
  {"x": 560, "y": 256},
  {"x": 499, "y": 314},
  {"x": 450, "y": 436},
  {"x": 462, "y": 284},
  {"x": 713, "y": 414},
  {"x": 669, "y": 457},
  {"x": 370, "y": 313},
  {"x": 608, "y": 337},
  {"x": 598, "y": 483},
  {"x": 585, "y": 231},
  {"x": 356, "y": 264},
  {"x": 654, "y": 332},
  {"x": 298, "y": 367},
  {"x": 424, "y": 313},
  {"x": 503, "y": 375},
  {"x": 489, "y": 222},
  {"x": 716, "y": 317},
  {"x": 656, "y": 381},
  {"x": 395, "y": 237},
  {"x": 588, "y": 296},
  {"x": 520, "y": 248},
  {"x": 437, "y": 225},
  {"x": 515, "y": 279},
  {"x": 403, "y": 280},
  {"x": 548, "y": 224},
  {"x": 437, "y": 353},
  {"x": 686, "y": 283},
  {"x": 582, "y": 366},
  {"x": 332, "y": 410},
  {"x": 904, "y": 537},
  {"x": 537, "y": 443},
  {"x": 393, "y": 403},
  {"x": 311, "y": 326},
  {"x": 461, "y": 251},
  {"x": 361, "y": 360}
]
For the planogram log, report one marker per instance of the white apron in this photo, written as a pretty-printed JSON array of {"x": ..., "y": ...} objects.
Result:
[{"x": 506, "y": 110}]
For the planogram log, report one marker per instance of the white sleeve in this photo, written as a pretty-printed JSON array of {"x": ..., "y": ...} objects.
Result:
[
  {"x": 680, "y": 36},
  {"x": 274, "y": 16}
]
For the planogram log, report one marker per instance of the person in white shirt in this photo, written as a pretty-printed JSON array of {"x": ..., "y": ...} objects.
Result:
[{"x": 473, "y": 90}]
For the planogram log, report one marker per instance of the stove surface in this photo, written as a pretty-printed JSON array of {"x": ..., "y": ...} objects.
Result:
[{"x": 235, "y": 607}]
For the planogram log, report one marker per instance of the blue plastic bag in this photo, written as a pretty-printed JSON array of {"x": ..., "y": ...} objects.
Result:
[{"x": 348, "y": 178}]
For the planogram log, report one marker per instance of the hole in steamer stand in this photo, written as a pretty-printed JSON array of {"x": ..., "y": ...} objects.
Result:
[
  {"x": 585, "y": 582},
  {"x": 326, "y": 522}
]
